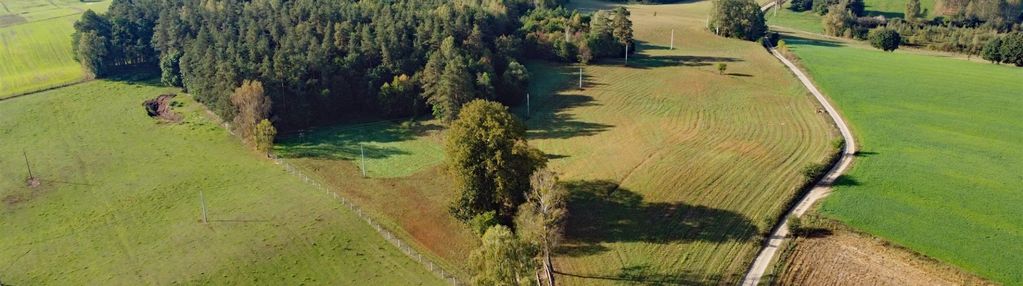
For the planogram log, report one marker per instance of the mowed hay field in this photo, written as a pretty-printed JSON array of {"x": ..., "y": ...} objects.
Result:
[
  {"x": 35, "y": 44},
  {"x": 704, "y": 161},
  {"x": 119, "y": 202},
  {"x": 940, "y": 160},
  {"x": 675, "y": 169}
]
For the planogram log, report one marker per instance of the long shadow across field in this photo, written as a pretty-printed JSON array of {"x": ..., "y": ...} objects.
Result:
[
  {"x": 602, "y": 211},
  {"x": 341, "y": 143},
  {"x": 549, "y": 117}
]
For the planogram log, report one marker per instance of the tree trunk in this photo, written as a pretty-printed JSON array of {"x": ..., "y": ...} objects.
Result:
[{"x": 548, "y": 266}]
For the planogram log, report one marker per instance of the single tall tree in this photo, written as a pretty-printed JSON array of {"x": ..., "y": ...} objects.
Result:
[
  {"x": 541, "y": 220},
  {"x": 885, "y": 39},
  {"x": 912, "y": 10},
  {"x": 252, "y": 107},
  {"x": 502, "y": 259},
  {"x": 489, "y": 160},
  {"x": 738, "y": 19}
]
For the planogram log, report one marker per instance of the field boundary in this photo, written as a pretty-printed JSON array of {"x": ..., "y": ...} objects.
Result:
[
  {"x": 404, "y": 247},
  {"x": 820, "y": 190},
  {"x": 45, "y": 89}
]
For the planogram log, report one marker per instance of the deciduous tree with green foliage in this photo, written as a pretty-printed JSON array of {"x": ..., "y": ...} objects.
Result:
[
  {"x": 264, "y": 136},
  {"x": 252, "y": 106},
  {"x": 993, "y": 51},
  {"x": 1012, "y": 49},
  {"x": 541, "y": 220},
  {"x": 489, "y": 160},
  {"x": 912, "y": 10},
  {"x": 885, "y": 39},
  {"x": 738, "y": 19},
  {"x": 502, "y": 259}
]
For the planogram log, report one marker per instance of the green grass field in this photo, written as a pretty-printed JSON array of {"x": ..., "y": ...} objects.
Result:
[
  {"x": 939, "y": 169},
  {"x": 35, "y": 44},
  {"x": 119, "y": 202},
  {"x": 809, "y": 21},
  {"x": 704, "y": 161}
]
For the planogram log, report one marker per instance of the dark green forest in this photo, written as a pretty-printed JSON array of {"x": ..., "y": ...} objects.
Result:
[{"x": 326, "y": 61}]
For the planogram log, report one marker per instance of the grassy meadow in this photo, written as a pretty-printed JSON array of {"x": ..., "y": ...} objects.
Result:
[
  {"x": 674, "y": 168},
  {"x": 119, "y": 202},
  {"x": 938, "y": 170},
  {"x": 35, "y": 44}
]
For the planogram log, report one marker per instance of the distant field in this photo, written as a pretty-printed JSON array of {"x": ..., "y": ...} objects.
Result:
[
  {"x": 35, "y": 44},
  {"x": 804, "y": 21},
  {"x": 704, "y": 161},
  {"x": 939, "y": 170},
  {"x": 811, "y": 22},
  {"x": 119, "y": 202}
]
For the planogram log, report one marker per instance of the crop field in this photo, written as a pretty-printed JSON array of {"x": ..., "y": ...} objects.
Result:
[
  {"x": 674, "y": 168},
  {"x": 938, "y": 170},
  {"x": 35, "y": 44},
  {"x": 119, "y": 202}
]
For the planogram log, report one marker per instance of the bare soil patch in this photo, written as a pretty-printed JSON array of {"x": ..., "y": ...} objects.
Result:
[
  {"x": 160, "y": 107},
  {"x": 848, "y": 258},
  {"x": 11, "y": 19}
]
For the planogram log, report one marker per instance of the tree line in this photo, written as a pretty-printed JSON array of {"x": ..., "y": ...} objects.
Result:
[{"x": 324, "y": 61}]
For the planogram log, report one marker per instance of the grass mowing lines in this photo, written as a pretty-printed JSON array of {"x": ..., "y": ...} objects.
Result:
[
  {"x": 938, "y": 170},
  {"x": 119, "y": 202},
  {"x": 674, "y": 168}
]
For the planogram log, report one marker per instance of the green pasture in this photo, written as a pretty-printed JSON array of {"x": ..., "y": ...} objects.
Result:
[
  {"x": 35, "y": 44},
  {"x": 940, "y": 160},
  {"x": 119, "y": 202}
]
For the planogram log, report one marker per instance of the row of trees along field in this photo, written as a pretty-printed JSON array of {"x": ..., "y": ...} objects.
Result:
[
  {"x": 506, "y": 195},
  {"x": 964, "y": 26},
  {"x": 324, "y": 61}
]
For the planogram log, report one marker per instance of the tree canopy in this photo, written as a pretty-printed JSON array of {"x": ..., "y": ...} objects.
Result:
[
  {"x": 502, "y": 259},
  {"x": 489, "y": 161},
  {"x": 738, "y": 19},
  {"x": 885, "y": 39}
]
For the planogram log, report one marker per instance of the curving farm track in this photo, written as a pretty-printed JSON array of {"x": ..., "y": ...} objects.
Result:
[{"x": 820, "y": 190}]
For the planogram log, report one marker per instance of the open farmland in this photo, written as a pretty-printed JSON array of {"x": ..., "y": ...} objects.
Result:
[
  {"x": 938, "y": 170},
  {"x": 674, "y": 168},
  {"x": 119, "y": 202},
  {"x": 35, "y": 44}
]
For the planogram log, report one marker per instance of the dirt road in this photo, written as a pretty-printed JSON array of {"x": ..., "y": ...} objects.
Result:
[{"x": 820, "y": 190}]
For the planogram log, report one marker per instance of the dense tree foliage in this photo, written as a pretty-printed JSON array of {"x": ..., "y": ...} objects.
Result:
[
  {"x": 489, "y": 160},
  {"x": 738, "y": 19},
  {"x": 502, "y": 259},
  {"x": 993, "y": 51},
  {"x": 913, "y": 10},
  {"x": 322, "y": 61},
  {"x": 839, "y": 22},
  {"x": 1012, "y": 49},
  {"x": 541, "y": 220},
  {"x": 561, "y": 35},
  {"x": 885, "y": 39},
  {"x": 251, "y": 107}
]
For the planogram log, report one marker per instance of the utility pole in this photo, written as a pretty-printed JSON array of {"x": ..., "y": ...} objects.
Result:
[
  {"x": 580, "y": 77},
  {"x": 27, "y": 165},
  {"x": 527, "y": 105},
  {"x": 363, "y": 151},
  {"x": 202, "y": 201},
  {"x": 672, "y": 47}
]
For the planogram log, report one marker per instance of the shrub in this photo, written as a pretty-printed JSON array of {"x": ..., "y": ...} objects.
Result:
[
  {"x": 722, "y": 67},
  {"x": 993, "y": 51},
  {"x": 264, "y": 136},
  {"x": 885, "y": 39},
  {"x": 838, "y": 22},
  {"x": 811, "y": 172},
  {"x": 1012, "y": 49},
  {"x": 800, "y": 5}
]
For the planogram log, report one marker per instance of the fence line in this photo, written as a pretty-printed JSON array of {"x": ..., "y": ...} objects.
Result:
[{"x": 383, "y": 232}]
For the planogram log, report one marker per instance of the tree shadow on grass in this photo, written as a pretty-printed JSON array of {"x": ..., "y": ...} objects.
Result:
[
  {"x": 550, "y": 115},
  {"x": 348, "y": 142},
  {"x": 643, "y": 274},
  {"x": 845, "y": 180},
  {"x": 793, "y": 39},
  {"x": 603, "y": 212},
  {"x": 554, "y": 121}
]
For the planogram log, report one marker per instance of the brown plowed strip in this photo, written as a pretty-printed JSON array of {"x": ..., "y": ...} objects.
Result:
[{"x": 846, "y": 258}]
